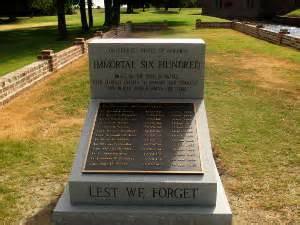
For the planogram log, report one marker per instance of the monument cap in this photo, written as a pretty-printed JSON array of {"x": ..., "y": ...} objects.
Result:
[{"x": 147, "y": 69}]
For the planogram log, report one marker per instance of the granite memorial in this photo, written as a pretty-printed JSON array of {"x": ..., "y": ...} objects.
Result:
[{"x": 145, "y": 155}]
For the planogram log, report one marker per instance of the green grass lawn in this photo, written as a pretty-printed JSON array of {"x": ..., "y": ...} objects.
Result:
[
  {"x": 252, "y": 99},
  {"x": 22, "y": 41},
  {"x": 295, "y": 13}
]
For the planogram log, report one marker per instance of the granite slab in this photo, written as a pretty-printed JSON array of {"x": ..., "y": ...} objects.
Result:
[
  {"x": 155, "y": 189},
  {"x": 146, "y": 68}
]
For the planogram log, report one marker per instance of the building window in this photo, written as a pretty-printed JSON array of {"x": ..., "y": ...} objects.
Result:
[
  {"x": 250, "y": 4},
  {"x": 219, "y": 4}
]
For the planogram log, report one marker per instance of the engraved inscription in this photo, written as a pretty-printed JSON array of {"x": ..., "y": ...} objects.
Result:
[
  {"x": 132, "y": 192},
  {"x": 149, "y": 70},
  {"x": 144, "y": 138}
]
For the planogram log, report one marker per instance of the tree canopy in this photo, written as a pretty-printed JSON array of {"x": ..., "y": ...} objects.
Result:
[{"x": 15, "y": 8}]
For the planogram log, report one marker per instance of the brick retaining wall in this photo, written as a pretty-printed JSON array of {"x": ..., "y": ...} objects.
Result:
[
  {"x": 200, "y": 24},
  {"x": 256, "y": 31},
  {"x": 12, "y": 84},
  {"x": 280, "y": 38}
]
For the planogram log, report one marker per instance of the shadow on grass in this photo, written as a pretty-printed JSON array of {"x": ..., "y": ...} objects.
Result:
[
  {"x": 132, "y": 13},
  {"x": 44, "y": 216},
  {"x": 21, "y": 46},
  {"x": 174, "y": 23},
  {"x": 8, "y": 20},
  {"x": 165, "y": 12},
  {"x": 35, "y": 33},
  {"x": 17, "y": 20},
  {"x": 5, "y": 21},
  {"x": 170, "y": 23}
]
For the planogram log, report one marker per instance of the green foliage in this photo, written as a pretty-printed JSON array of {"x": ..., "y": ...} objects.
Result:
[
  {"x": 69, "y": 7},
  {"x": 43, "y": 7},
  {"x": 174, "y": 3},
  {"x": 295, "y": 13},
  {"x": 190, "y": 3},
  {"x": 48, "y": 7}
]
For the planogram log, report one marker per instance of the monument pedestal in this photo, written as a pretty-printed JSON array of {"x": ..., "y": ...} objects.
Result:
[
  {"x": 158, "y": 189},
  {"x": 145, "y": 155},
  {"x": 67, "y": 214},
  {"x": 210, "y": 205}
]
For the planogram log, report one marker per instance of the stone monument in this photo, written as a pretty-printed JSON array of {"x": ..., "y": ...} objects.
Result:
[{"x": 145, "y": 156}]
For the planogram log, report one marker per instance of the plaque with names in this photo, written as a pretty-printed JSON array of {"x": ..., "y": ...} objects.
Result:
[{"x": 150, "y": 138}]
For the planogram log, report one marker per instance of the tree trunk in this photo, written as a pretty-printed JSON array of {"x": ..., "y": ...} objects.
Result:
[
  {"x": 84, "y": 23},
  {"x": 90, "y": 11},
  {"x": 108, "y": 13},
  {"x": 61, "y": 19},
  {"x": 167, "y": 2},
  {"x": 129, "y": 7},
  {"x": 12, "y": 18},
  {"x": 116, "y": 13}
]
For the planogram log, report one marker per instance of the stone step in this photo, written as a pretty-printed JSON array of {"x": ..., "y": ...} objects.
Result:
[
  {"x": 67, "y": 214},
  {"x": 144, "y": 190}
]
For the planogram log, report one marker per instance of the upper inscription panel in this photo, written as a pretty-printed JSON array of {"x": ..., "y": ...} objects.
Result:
[
  {"x": 147, "y": 68},
  {"x": 144, "y": 138}
]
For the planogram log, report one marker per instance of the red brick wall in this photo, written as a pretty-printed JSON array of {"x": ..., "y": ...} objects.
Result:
[
  {"x": 255, "y": 31},
  {"x": 12, "y": 84},
  {"x": 267, "y": 35}
]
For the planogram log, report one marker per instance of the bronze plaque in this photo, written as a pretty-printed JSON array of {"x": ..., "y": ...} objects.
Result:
[{"x": 144, "y": 138}]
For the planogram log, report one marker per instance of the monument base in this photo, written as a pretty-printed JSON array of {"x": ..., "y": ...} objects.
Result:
[
  {"x": 128, "y": 212},
  {"x": 81, "y": 185},
  {"x": 67, "y": 214}
]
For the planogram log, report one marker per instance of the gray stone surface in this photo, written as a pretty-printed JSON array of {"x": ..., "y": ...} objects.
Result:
[
  {"x": 131, "y": 69},
  {"x": 67, "y": 214},
  {"x": 83, "y": 186}
]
